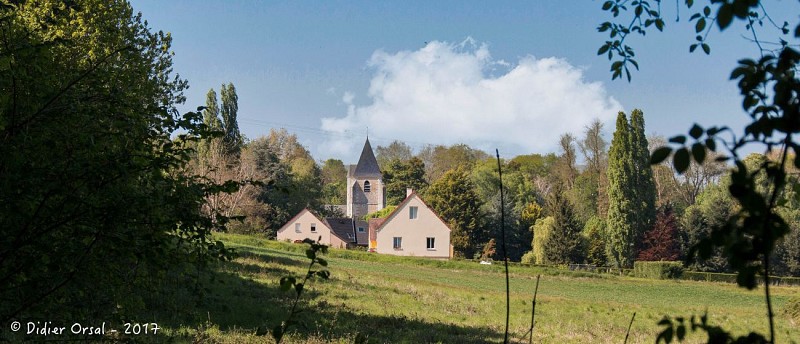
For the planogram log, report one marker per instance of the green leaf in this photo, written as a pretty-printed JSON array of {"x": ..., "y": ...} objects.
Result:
[
  {"x": 324, "y": 274},
  {"x": 724, "y": 16},
  {"x": 660, "y": 24},
  {"x": 711, "y": 144},
  {"x": 659, "y": 155},
  {"x": 322, "y": 262},
  {"x": 603, "y": 49},
  {"x": 311, "y": 254},
  {"x": 700, "y": 25},
  {"x": 680, "y": 160},
  {"x": 699, "y": 152},
  {"x": 607, "y": 5},
  {"x": 706, "y": 48},
  {"x": 681, "y": 332},
  {"x": 680, "y": 139},
  {"x": 298, "y": 288},
  {"x": 696, "y": 131},
  {"x": 692, "y": 48}
]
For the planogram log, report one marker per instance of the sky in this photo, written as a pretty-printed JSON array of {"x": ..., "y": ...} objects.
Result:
[{"x": 503, "y": 75}]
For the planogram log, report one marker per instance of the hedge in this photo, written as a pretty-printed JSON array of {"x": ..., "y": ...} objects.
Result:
[
  {"x": 658, "y": 270},
  {"x": 731, "y": 278}
]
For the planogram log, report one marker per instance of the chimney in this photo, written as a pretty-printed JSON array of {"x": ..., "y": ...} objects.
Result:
[{"x": 409, "y": 191}]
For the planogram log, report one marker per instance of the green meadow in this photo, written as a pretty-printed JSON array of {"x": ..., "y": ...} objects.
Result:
[{"x": 382, "y": 299}]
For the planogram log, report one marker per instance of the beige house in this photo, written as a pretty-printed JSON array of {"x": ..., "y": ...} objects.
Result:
[
  {"x": 413, "y": 229},
  {"x": 330, "y": 231}
]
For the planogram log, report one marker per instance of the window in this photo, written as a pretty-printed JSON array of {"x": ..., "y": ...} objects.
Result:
[
  {"x": 412, "y": 212},
  {"x": 313, "y": 228},
  {"x": 398, "y": 243},
  {"x": 361, "y": 229},
  {"x": 431, "y": 243},
  {"x": 366, "y": 186},
  {"x": 297, "y": 228}
]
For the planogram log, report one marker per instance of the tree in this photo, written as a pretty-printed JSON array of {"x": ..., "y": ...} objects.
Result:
[
  {"x": 440, "y": 159},
  {"x": 211, "y": 120},
  {"x": 401, "y": 175},
  {"x": 644, "y": 189},
  {"x": 565, "y": 244},
  {"x": 232, "y": 138},
  {"x": 397, "y": 150},
  {"x": 94, "y": 195},
  {"x": 588, "y": 194},
  {"x": 334, "y": 180},
  {"x": 594, "y": 232},
  {"x": 621, "y": 180},
  {"x": 541, "y": 235},
  {"x": 565, "y": 170},
  {"x": 453, "y": 197},
  {"x": 662, "y": 242}
]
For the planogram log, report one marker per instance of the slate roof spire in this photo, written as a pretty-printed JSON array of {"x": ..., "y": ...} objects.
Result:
[{"x": 367, "y": 164}]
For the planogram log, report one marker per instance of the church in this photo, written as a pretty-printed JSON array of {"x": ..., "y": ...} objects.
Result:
[{"x": 412, "y": 229}]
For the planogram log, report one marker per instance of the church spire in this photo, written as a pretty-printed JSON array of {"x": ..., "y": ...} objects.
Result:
[{"x": 367, "y": 164}]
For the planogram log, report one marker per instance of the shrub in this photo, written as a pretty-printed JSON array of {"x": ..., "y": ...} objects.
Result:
[
  {"x": 658, "y": 270},
  {"x": 528, "y": 258}
]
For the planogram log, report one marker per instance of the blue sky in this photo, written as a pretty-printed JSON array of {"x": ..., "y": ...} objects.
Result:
[{"x": 507, "y": 75}]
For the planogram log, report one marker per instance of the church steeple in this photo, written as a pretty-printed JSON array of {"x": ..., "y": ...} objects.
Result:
[
  {"x": 365, "y": 189},
  {"x": 367, "y": 164}
]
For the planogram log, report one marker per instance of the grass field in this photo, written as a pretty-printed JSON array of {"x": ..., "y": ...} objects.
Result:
[{"x": 384, "y": 299}]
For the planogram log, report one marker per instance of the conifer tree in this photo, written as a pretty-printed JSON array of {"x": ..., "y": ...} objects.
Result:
[
  {"x": 565, "y": 244},
  {"x": 232, "y": 140},
  {"x": 644, "y": 188},
  {"x": 211, "y": 120},
  {"x": 621, "y": 207}
]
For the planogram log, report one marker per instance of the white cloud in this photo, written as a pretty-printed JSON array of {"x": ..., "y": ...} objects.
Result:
[{"x": 449, "y": 93}]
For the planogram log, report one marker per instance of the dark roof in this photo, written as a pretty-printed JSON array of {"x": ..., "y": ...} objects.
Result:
[
  {"x": 367, "y": 164},
  {"x": 341, "y": 227}
]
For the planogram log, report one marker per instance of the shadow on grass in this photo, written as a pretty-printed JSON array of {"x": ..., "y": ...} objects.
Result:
[{"x": 236, "y": 302}]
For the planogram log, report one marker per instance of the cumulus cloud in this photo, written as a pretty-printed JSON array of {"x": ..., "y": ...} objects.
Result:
[{"x": 448, "y": 93}]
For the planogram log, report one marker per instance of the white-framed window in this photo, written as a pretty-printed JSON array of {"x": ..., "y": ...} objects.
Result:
[
  {"x": 297, "y": 228},
  {"x": 313, "y": 228},
  {"x": 398, "y": 243},
  {"x": 412, "y": 212},
  {"x": 361, "y": 229},
  {"x": 366, "y": 186},
  {"x": 430, "y": 243}
]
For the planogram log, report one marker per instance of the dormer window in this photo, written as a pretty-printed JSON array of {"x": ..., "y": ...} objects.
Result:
[{"x": 366, "y": 186}]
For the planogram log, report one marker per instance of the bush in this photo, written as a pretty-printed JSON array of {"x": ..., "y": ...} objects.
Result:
[
  {"x": 528, "y": 258},
  {"x": 658, "y": 270}
]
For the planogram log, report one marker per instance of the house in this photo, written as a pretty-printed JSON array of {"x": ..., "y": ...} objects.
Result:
[
  {"x": 412, "y": 229},
  {"x": 335, "y": 232}
]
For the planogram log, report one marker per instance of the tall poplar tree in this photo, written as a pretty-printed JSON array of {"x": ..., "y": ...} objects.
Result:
[
  {"x": 621, "y": 208},
  {"x": 644, "y": 189},
  {"x": 211, "y": 120},
  {"x": 631, "y": 189},
  {"x": 232, "y": 139}
]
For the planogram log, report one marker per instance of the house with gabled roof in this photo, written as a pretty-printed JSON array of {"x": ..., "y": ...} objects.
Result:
[
  {"x": 412, "y": 229},
  {"x": 332, "y": 231}
]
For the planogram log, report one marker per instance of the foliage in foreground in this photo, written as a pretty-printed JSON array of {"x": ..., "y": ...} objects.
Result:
[{"x": 95, "y": 211}]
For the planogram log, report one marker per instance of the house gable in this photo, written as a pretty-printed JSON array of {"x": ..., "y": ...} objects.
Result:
[{"x": 419, "y": 233}]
